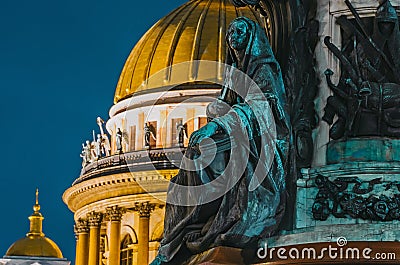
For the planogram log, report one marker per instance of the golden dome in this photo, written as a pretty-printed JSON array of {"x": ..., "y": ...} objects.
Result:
[
  {"x": 194, "y": 31},
  {"x": 35, "y": 244}
]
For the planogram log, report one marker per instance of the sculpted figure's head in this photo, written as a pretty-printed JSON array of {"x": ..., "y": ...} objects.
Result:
[
  {"x": 238, "y": 35},
  {"x": 248, "y": 45},
  {"x": 386, "y": 18}
]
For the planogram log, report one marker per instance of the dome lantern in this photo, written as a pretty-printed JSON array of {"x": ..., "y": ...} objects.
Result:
[
  {"x": 35, "y": 244},
  {"x": 36, "y": 219}
]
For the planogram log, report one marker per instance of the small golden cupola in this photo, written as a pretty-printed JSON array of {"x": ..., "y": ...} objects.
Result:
[{"x": 35, "y": 244}]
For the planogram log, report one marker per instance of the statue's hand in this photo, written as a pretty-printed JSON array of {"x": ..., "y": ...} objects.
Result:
[
  {"x": 217, "y": 109},
  {"x": 204, "y": 132}
]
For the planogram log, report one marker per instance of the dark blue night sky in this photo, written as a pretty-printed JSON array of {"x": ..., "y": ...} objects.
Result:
[{"x": 59, "y": 65}]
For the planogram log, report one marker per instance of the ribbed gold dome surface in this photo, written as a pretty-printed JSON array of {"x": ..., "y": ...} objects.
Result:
[
  {"x": 35, "y": 246},
  {"x": 194, "y": 31}
]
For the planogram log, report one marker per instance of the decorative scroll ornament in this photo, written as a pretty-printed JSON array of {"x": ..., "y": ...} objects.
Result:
[
  {"x": 294, "y": 37},
  {"x": 302, "y": 82},
  {"x": 299, "y": 36},
  {"x": 351, "y": 197}
]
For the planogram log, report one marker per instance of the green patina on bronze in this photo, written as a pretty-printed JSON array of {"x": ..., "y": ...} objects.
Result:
[{"x": 363, "y": 150}]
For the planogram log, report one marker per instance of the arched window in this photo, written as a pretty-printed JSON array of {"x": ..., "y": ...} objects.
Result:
[{"x": 126, "y": 251}]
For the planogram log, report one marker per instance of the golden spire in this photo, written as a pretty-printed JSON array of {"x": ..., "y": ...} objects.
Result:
[
  {"x": 36, "y": 207},
  {"x": 36, "y": 219}
]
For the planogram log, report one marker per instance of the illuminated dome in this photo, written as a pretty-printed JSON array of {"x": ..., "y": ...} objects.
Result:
[
  {"x": 194, "y": 31},
  {"x": 35, "y": 244}
]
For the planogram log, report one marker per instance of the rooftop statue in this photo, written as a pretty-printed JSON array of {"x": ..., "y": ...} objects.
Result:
[
  {"x": 251, "y": 113},
  {"x": 85, "y": 154},
  {"x": 181, "y": 133},
  {"x": 105, "y": 147},
  {"x": 366, "y": 100},
  {"x": 97, "y": 145},
  {"x": 149, "y": 133},
  {"x": 118, "y": 140}
]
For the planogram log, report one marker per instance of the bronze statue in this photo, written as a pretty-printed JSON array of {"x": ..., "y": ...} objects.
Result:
[
  {"x": 253, "y": 206},
  {"x": 366, "y": 101}
]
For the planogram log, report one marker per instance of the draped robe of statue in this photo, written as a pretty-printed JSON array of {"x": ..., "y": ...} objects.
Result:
[{"x": 243, "y": 214}]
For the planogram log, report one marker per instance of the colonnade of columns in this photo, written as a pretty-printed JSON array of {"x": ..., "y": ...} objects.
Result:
[{"x": 89, "y": 247}]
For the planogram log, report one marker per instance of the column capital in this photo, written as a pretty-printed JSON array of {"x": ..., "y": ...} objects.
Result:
[
  {"x": 144, "y": 208},
  {"x": 114, "y": 213},
  {"x": 94, "y": 219},
  {"x": 81, "y": 226}
]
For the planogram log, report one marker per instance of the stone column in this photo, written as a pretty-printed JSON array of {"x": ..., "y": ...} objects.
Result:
[
  {"x": 140, "y": 135},
  {"x": 76, "y": 246},
  {"x": 82, "y": 243},
  {"x": 94, "y": 220},
  {"x": 162, "y": 140},
  {"x": 114, "y": 215},
  {"x": 144, "y": 209},
  {"x": 190, "y": 114}
]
